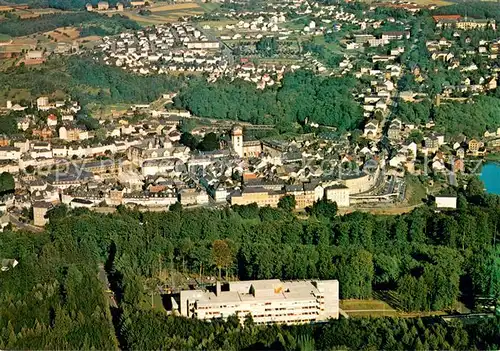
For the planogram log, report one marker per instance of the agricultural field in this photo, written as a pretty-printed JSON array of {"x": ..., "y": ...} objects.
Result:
[
  {"x": 65, "y": 34},
  {"x": 386, "y": 304},
  {"x": 28, "y": 13},
  {"x": 433, "y": 2},
  {"x": 23, "y": 94},
  {"x": 108, "y": 111},
  {"x": 17, "y": 45},
  {"x": 165, "y": 13},
  {"x": 209, "y": 6}
]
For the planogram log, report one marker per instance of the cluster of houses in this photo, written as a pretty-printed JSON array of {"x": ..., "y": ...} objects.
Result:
[
  {"x": 446, "y": 51},
  {"x": 463, "y": 23},
  {"x": 259, "y": 24},
  {"x": 143, "y": 164},
  {"x": 103, "y": 6},
  {"x": 440, "y": 156},
  {"x": 164, "y": 48},
  {"x": 263, "y": 75}
]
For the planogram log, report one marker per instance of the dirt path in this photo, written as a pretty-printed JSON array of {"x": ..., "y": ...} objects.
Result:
[{"x": 380, "y": 210}]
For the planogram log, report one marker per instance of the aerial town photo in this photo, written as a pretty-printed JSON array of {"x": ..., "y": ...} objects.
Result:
[{"x": 249, "y": 175}]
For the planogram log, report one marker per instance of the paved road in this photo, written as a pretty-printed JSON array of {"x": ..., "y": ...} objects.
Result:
[
  {"x": 25, "y": 226},
  {"x": 362, "y": 311},
  {"x": 103, "y": 277}
]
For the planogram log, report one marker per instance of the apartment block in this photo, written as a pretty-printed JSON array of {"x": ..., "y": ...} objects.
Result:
[
  {"x": 338, "y": 194},
  {"x": 258, "y": 195},
  {"x": 267, "y": 301}
]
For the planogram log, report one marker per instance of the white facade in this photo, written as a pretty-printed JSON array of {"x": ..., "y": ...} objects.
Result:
[
  {"x": 237, "y": 140},
  {"x": 268, "y": 301},
  {"x": 158, "y": 201},
  {"x": 42, "y": 101},
  {"x": 10, "y": 153},
  {"x": 203, "y": 45},
  {"x": 338, "y": 194},
  {"x": 202, "y": 198},
  {"x": 446, "y": 202},
  {"x": 221, "y": 194}
]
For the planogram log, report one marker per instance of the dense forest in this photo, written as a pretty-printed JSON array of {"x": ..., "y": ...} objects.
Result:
[
  {"x": 52, "y": 299},
  {"x": 16, "y": 27},
  {"x": 427, "y": 259},
  {"x": 472, "y": 118},
  {"x": 112, "y": 84},
  {"x": 148, "y": 330},
  {"x": 302, "y": 96},
  {"x": 474, "y": 9}
]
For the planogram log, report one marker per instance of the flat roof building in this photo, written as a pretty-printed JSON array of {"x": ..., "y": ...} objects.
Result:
[
  {"x": 267, "y": 301},
  {"x": 444, "y": 201}
]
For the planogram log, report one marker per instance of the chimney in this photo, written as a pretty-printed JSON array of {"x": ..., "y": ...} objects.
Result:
[{"x": 217, "y": 288}]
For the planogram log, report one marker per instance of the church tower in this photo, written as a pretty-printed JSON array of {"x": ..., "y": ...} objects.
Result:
[{"x": 237, "y": 139}]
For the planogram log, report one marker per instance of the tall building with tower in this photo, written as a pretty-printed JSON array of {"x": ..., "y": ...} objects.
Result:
[{"x": 237, "y": 140}]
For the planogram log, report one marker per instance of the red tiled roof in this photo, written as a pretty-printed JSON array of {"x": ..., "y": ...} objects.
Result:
[{"x": 446, "y": 17}]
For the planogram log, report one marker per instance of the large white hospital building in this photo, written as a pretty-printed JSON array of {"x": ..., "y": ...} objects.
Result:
[{"x": 268, "y": 301}]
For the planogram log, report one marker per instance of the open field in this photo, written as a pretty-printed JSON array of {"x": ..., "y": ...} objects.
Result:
[
  {"x": 385, "y": 210},
  {"x": 209, "y": 6},
  {"x": 433, "y": 2},
  {"x": 65, "y": 34},
  {"x": 174, "y": 7},
  {"x": 23, "y": 94},
  {"x": 379, "y": 307},
  {"x": 89, "y": 42},
  {"x": 32, "y": 13},
  {"x": 6, "y": 63},
  {"x": 165, "y": 13},
  {"x": 367, "y": 308},
  {"x": 14, "y": 94},
  {"x": 47, "y": 40},
  {"x": 108, "y": 111},
  {"x": 17, "y": 46},
  {"x": 144, "y": 20}
]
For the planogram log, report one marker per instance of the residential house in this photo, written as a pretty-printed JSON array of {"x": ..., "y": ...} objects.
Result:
[{"x": 371, "y": 129}]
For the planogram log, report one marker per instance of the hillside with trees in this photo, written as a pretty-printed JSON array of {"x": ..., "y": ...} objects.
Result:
[
  {"x": 474, "y": 9},
  {"x": 16, "y": 27},
  {"x": 62, "y": 4},
  {"x": 472, "y": 118},
  {"x": 88, "y": 82},
  {"x": 427, "y": 259},
  {"x": 302, "y": 96}
]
